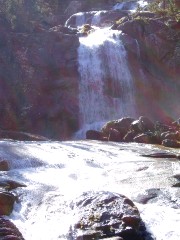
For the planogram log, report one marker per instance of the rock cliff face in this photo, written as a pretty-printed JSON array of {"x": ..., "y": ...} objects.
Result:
[
  {"x": 154, "y": 56},
  {"x": 39, "y": 81},
  {"x": 39, "y": 71}
]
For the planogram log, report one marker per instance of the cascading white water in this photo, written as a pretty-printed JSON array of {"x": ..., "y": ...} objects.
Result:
[
  {"x": 80, "y": 19},
  {"x": 57, "y": 172},
  {"x": 106, "y": 85},
  {"x": 97, "y": 18},
  {"x": 130, "y": 5},
  {"x": 103, "y": 67}
]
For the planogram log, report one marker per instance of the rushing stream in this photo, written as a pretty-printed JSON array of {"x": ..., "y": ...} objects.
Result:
[{"x": 56, "y": 172}]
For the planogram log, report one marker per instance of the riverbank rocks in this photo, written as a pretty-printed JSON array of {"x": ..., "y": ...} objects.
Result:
[
  {"x": 94, "y": 135},
  {"x": 122, "y": 125},
  {"x": 7, "y": 201},
  {"x": 141, "y": 130},
  {"x": 8, "y": 231},
  {"x": 4, "y": 166},
  {"x": 171, "y": 143},
  {"x": 10, "y": 184},
  {"x": 106, "y": 215},
  {"x": 21, "y": 136}
]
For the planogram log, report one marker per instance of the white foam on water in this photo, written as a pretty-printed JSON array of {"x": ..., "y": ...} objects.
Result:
[
  {"x": 71, "y": 168},
  {"x": 162, "y": 221}
]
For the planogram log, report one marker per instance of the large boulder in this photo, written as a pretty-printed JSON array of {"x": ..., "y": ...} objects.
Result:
[
  {"x": 94, "y": 135},
  {"x": 7, "y": 201},
  {"x": 8, "y": 231},
  {"x": 4, "y": 166},
  {"x": 122, "y": 125},
  {"x": 143, "y": 124},
  {"x": 105, "y": 214}
]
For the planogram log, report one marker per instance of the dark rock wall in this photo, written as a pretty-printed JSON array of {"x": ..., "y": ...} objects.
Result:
[
  {"x": 39, "y": 82},
  {"x": 153, "y": 52}
]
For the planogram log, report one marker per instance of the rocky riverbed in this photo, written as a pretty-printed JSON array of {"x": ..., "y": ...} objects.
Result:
[{"x": 90, "y": 188}]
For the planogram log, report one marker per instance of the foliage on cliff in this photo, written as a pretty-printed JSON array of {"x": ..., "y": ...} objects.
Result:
[
  {"x": 166, "y": 8},
  {"x": 21, "y": 12}
]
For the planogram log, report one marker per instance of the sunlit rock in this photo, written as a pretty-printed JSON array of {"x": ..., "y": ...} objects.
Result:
[
  {"x": 122, "y": 125},
  {"x": 106, "y": 214}
]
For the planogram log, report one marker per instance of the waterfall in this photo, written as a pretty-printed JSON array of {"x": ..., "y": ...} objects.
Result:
[
  {"x": 97, "y": 18},
  {"x": 106, "y": 84},
  {"x": 80, "y": 19},
  {"x": 130, "y": 5}
]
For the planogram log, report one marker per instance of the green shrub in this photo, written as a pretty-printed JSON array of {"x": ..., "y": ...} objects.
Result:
[{"x": 165, "y": 8}]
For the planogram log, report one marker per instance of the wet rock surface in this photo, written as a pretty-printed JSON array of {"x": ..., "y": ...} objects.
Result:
[
  {"x": 4, "y": 166},
  {"x": 21, "y": 136},
  {"x": 106, "y": 215},
  {"x": 141, "y": 130},
  {"x": 10, "y": 184},
  {"x": 7, "y": 201},
  {"x": 156, "y": 45},
  {"x": 169, "y": 196},
  {"x": 8, "y": 231}
]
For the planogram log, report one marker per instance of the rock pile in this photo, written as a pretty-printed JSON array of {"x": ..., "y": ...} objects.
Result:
[
  {"x": 8, "y": 231},
  {"x": 141, "y": 130}
]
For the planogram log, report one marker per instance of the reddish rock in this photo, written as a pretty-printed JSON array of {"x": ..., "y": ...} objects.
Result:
[
  {"x": 6, "y": 203},
  {"x": 94, "y": 135},
  {"x": 39, "y": 82},
  {"x": 4, "y": 166},
  {"x": 102, "y": 215},
  {"x": 114, "y": 135},
  {"x": 8, "y": 231},
  {"x": 142, "y": 138},
  {"x": 129, "y": 136},
  {"x": 122, "y": 125},
  {"x": 171, "y": 143},
  {"x": 152, "y": 49}
]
